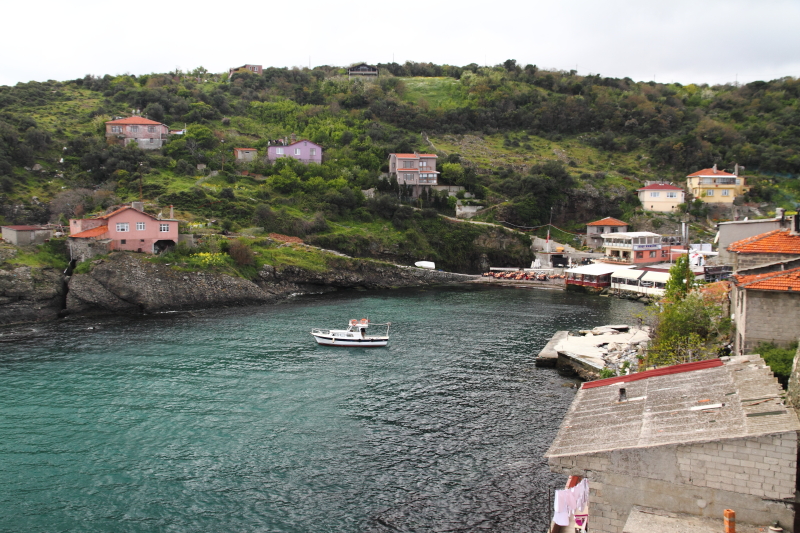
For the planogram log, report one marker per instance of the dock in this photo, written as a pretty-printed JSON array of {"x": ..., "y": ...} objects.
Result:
[{"x": 549, "y": 355}]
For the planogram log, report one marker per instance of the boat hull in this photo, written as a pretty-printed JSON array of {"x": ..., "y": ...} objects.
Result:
[{"x": 368, "y": 342}]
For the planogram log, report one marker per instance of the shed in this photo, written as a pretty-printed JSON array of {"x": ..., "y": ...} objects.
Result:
[
  {"x": 26, "y": 235},
  {"x": 696, "y": 438}
]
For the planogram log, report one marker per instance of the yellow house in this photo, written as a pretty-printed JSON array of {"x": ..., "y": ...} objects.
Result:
[
  {"x": 716, "y": 186},
  {"x": 661, "y": 197}
]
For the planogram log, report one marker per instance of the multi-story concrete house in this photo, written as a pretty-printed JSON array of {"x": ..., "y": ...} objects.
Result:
[
  {"x": 765, "y": 308},
  {"x": 148, "y": 134},
  {"x": 638, "y": 247},
  {"x": 595, "y": 230},
  {"x": 416, "y": 170},
  {"x": 255, "y": 69},
  {"x": 127, "y": 228},
  {"x": 303, "y": 150},
  {"x": 661, "y": 197},
  {"x": 715, "y": 186}
]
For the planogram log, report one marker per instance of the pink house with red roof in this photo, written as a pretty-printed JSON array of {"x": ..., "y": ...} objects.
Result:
[
  {"x": 126, "y": 228},
  {"x": 303, "y": 150},
  {"x": 661, "y": 197},
  {"x": 148, "y": 134},
  {"x": 712, "y": 185}
]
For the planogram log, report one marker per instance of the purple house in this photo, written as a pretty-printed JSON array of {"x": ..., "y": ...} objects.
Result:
[{"x": 303, "y": 150}]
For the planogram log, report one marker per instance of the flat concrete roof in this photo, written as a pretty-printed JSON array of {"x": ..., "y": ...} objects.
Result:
[
  {"x": 647, "y": 520},
  {"x": 737, "y": 399}
]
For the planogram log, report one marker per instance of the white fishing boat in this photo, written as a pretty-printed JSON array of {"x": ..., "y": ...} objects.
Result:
[{"x": 354, "y": 335}]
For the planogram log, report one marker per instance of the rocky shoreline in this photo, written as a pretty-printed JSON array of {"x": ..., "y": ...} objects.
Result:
[{"x": 125, "y": 284}]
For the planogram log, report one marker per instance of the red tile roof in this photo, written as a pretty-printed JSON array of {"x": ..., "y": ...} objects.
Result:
[
  {"x": 111, "y": 214},
  {"x": 777, "y": 241},
  {"x": 660, "y": 187},
  {"x": 135, "y": 120},
  {"x": 608, "y": 221},
  {"x": 665, "y": 371},
  {"x": 251, "y": 149},
  {"x": 413, "y": 156},
  {"x": 24, "y": 228},
  {"x": 94, "y": 232},
  {"x": 784, "y": 280},
  {"x": 710, "y": 172}
]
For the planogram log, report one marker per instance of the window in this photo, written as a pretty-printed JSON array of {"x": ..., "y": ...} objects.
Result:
[
  {"x": 140, "y": 226},
  {"x": 652, "y": 253},
  {"x": 663, "y": 253},
  {"x": 710, "y": 192},
  {"x": 613, "y": 230},
  {"x": 423, "y": 164},
  {"x": 672, "y": 194},
  {"x": 639, "y": 255},
  {"x": 133, "y": 129},
  {"x": 409, "y": 177},
  {"x": 123, "y": 241},
  {"x": 297, "y": 151},
  {"x": 654, "y": 194},
  {"x": 116, "y": 129},
  {"x": 726, "y": 192},
  {"x": 151, "y": 129},
  {"x": 163, "y": 227},
  {"x": 279, "y": 151},
  {"x": 123, "y": 226},
  {"x": 313, "y": 151},
  {"x": 152, "y": 141}
]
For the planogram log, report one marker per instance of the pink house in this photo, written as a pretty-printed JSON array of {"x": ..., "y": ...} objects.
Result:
[
  {"x": 126, "y": 228},
  {"x": 148, "y": 134},
  {"x": 303, "y": 150}
]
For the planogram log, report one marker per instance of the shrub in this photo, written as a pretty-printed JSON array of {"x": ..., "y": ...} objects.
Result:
[
  {"x": 778, "y": 359},
  {"x": 241, "y": 254}
]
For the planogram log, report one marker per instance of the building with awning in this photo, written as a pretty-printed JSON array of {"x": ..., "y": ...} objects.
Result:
[{"x": 597, "y": 275}]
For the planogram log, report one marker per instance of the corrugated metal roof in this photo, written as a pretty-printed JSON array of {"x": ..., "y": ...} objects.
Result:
[
  {"x": 676, "y": 408},
  {"x": 25, "y": 228}
]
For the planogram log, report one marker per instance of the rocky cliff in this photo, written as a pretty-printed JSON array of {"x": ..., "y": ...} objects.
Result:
[
  {"x": 125, "y": 283},
  {"x": 31, "y": 295}
]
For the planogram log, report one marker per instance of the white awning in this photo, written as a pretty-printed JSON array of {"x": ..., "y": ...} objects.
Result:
[
  {"x": 658, "y": 277},
  {"x": 628, "y": 274},
  {"x": 596, "y": 269}
]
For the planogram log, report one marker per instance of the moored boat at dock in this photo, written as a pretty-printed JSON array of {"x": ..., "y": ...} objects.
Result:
[{"x": 354, "y": 335}]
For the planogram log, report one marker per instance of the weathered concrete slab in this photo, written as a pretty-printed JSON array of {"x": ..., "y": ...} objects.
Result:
[
  {"x": 586, "y": 354},
  {"x": 549, "y": 355},
  {"x": 647, "y": 520}
]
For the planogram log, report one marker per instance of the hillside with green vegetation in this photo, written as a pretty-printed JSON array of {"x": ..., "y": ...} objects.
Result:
[{"x": 524, "y": 142}]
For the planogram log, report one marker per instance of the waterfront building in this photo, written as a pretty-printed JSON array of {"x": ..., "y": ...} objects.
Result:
[
  {"x": 677, "y": 444},
  {"x": 714, "y": 186},
  {"x": 639, "y": 247},
  {"x": 594, "y": 276},
  {"x": 127, "y": 228}
]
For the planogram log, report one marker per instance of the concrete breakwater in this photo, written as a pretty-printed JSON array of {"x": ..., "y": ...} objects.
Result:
[
  {"x": 615, "y": 347},
  {"x": 125, "y": 283}
]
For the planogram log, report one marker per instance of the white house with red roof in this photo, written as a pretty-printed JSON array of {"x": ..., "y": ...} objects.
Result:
[
  {"x": 712, "y": 185},
  {"x": 148, "y": 134},
  {"x": 127, "y": 228},
  {"x": 595, "y": 229},
  {"x": 661, "y": 197}
]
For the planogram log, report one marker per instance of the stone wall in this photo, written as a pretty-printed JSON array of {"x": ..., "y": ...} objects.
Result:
[
  {"x": 793, "y": 392},
  {"x": 741, "y": 261},
  {"x": 755, "y": 477}
]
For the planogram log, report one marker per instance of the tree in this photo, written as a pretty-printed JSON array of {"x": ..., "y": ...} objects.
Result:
[{"x": 681, "y": 280}]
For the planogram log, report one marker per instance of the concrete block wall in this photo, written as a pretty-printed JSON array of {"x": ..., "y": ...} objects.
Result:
[
  {"x": 769, "y": 317},
  {"x": 764, "y": 467},
  {"x": 755, "y": 477},
  {"x": 750, "y": 260}
]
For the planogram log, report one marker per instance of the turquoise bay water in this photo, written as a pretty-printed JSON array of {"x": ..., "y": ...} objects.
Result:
[{"x": 236, "y": 420}]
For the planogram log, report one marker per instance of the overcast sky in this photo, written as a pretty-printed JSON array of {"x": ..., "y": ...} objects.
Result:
[{"x": 686, "y": 41}]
